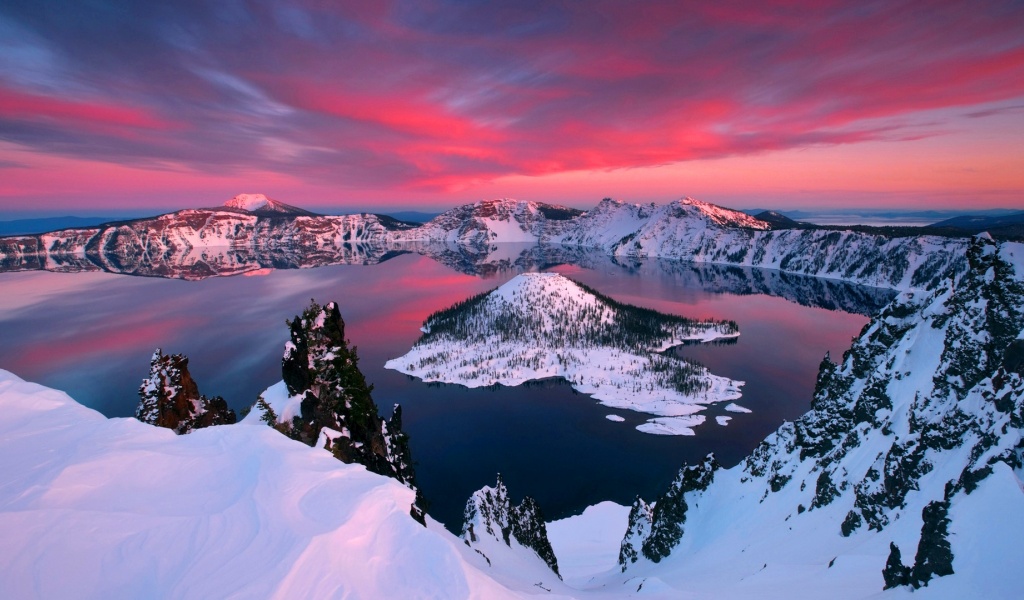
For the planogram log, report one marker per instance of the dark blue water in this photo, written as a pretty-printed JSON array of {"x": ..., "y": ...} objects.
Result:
[{"x": 91, "y": 334}]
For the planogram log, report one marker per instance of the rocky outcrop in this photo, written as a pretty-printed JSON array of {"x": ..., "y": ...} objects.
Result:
[
  {"x": 656, "y": 531},
  {"x": 170, "y": 398},
  {"x": 637, "y": 531},
  {"x": 490, "y": 515},
  {"x": 337, "y": 409}
]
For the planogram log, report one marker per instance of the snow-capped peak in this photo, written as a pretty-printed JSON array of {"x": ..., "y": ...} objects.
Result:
[
  {"x": 261, "y": 204},
  {"x": 723, "y": 216},
  {"x": 249, "y": 202}
]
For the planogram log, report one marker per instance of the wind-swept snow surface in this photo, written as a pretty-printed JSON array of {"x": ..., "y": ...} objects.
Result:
[
  {"x": 541, "y": 325},
  {"x": 92, "y": 507}
]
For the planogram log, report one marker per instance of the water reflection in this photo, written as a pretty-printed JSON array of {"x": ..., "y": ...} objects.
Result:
[
  {"x": 91, "y": 334},
  {"x": 487, "y": 262}
]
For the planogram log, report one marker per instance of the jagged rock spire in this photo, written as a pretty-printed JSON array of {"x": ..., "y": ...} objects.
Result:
[
  {"x": 337, "y": 405},
  {"x": 490, "y": 513},
  {"x": 170, "y": 397}
]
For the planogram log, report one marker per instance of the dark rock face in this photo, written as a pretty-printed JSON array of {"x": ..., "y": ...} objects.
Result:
[
  {"x": 337, "y": 404},
  {"x": 656, "y": 532},
  {"x": 895, "y": 572},
  {"x": 170, "y": 398},
  {"x": 934, "y": 555},
  {"x": 489, "y": 512},
  {"x": 640, "y": 517}
]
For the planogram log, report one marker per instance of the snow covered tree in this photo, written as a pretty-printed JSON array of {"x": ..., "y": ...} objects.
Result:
[{"x": 320, "y": 365}]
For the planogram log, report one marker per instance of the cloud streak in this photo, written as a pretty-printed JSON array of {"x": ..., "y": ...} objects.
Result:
[{"x": 437, "y": 95}]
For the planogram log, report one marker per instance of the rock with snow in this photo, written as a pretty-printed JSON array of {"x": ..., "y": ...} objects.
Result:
[
  {"x": 170, "y": 398},
  {"x": 491, "y": 517},
  {"x": 328, "y": 402},
  {"x": 638, "y": 529},
  {"x": 656, "y": 531},
  {"x": 541, "y": 325}
]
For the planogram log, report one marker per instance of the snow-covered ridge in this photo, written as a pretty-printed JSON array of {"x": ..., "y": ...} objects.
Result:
[
  {"x": 906, "y": 472},
  {"x": 493, "y": 222},
  {"x": 686, "y": 230},
  {"x": 542, "y": 325},
  {"x": 690, "y": 231},
  {"x": 116, "y": 508}
]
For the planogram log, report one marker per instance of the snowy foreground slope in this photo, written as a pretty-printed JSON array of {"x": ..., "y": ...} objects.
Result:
[
  {"x": 93, "y": 507},
  {"x": 541, "y": 325}
]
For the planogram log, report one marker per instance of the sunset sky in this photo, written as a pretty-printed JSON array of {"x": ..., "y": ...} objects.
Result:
[{"x": 138, "y": 106}]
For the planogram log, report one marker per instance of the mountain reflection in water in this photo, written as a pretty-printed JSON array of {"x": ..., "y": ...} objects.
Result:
[{"x": 91, "y": 334}]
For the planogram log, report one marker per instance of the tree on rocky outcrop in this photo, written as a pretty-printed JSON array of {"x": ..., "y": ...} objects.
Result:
[
  {"x": 337, "y": 407},
  {"x": 170, "y": 398}
]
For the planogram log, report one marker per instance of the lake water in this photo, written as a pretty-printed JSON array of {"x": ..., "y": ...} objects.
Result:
[{"x": 92, "y": 334}]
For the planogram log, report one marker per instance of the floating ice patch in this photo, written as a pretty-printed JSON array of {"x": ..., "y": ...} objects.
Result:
[{"x": 615, "y": 418}]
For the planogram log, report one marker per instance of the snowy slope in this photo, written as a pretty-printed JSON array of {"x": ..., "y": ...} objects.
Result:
[
  {"x": 113, "y": 508},
  {"x": 492, "y": 222},
  {"x": 540, "y": 325},
  {"x": 916, "y": 431},
  {"x": 695, "y": 231}
]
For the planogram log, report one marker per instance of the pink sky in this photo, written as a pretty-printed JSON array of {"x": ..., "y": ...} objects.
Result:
[{"x": 126, "y": 107}]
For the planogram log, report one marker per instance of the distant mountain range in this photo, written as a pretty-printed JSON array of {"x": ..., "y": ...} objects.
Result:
[
  {"x": 1000, "y": 224},
  {"x": 253, "y": 232}
]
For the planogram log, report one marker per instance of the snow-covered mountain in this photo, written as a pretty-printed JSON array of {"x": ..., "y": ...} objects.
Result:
[
  {"x": 199, "y": 242},
  {"x": 541, "y": 325},
  {"x": 494, "y": 222},
  {"x": 694, "y": 231},
  {"x": 260, "y": 204}
]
